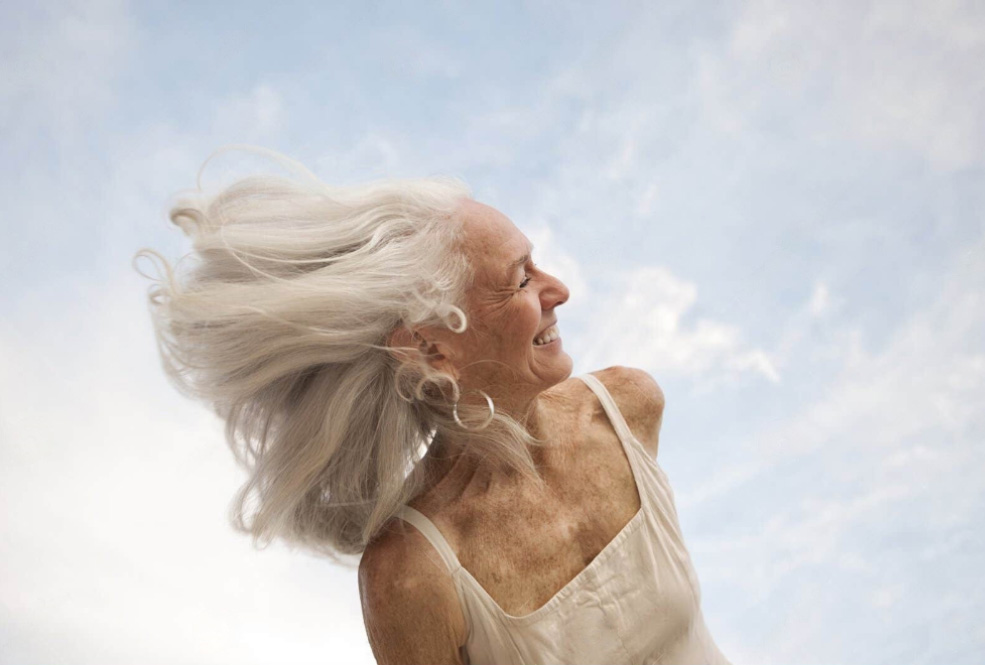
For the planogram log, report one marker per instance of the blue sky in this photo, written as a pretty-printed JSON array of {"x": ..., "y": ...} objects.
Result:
[{"x": 776, "y": 208}]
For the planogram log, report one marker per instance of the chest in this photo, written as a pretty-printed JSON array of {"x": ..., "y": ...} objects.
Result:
[{"x": 522, "y": 548}]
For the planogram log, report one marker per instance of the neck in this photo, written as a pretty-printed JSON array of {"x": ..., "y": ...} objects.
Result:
[{"x": 446, "y": 453}]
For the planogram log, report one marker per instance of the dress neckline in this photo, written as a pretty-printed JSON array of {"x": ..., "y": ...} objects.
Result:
[
  {"x": 629, "y": 444},
  {"x": 572, "y": 584}
]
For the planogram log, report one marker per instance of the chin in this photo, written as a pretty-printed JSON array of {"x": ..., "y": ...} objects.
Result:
[{"x": 562, "y": 368}]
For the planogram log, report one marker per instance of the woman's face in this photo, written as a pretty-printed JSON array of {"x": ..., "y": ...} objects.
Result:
[{"x": 511, "y": 303}]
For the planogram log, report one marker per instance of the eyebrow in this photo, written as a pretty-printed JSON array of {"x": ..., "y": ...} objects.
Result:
[{"x": 519, "y": 262}]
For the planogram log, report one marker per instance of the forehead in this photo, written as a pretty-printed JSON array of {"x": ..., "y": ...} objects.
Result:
[{"x": 491, "y": 238}]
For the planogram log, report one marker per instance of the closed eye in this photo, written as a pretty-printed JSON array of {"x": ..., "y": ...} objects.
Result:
[{"x": 527, "y": 280}]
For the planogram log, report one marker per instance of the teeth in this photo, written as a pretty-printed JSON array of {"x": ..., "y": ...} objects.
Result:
[{"x": 549, "y": 335}]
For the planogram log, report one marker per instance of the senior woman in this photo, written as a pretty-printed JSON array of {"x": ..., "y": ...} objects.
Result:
[{"x": 388, "y": 362}]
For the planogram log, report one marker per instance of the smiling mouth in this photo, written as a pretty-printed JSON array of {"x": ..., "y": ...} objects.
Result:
[{"x": 548, "y": 337}]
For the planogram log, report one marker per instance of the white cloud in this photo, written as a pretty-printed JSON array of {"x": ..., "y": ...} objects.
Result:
[
  {"x": 117, "y": 509},
  {"x": 867, "y": 490},
  {"x": 930, "y": 378},
  {"x": 416, "y": 55},
  {"x": 257, "y": 116},
  {"x": 60, "y": 69},
  {"x": 893, "y": 449},
  {"x": 896, "y": 75},
  {"x": 820, "y": 300},
  {"x": 645, "y": 323},
  {"x": 375, "y": 154}
]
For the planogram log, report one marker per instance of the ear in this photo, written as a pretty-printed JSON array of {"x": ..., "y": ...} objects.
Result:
[
  {"x": 401, "y": 336},
  {"x": 418, "y": 340}
]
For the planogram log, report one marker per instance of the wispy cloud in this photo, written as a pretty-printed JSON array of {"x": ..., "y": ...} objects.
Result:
[
  {"x": 773, "y": 207},
  {"x": 880, "y": 478},
  {"x": 62, "y": 64},
  {"x": 644, "y": 322},
  {"x": 257, "y": 116}
]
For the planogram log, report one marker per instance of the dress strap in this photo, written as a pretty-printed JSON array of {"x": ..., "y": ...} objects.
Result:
[
  {"x": 611, "y": 409},
  {"x": 634, "y": 449},
  {"x": 431, "y": 532}
]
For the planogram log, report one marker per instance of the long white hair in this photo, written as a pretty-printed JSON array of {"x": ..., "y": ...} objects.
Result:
[{"x": 280, "y": 324}]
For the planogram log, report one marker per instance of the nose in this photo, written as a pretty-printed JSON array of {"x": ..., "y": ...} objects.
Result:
[{"x": 554, "y": 293}]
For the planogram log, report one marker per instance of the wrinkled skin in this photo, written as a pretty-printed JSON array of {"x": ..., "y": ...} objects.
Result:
[{"x": 507, "y": 308}]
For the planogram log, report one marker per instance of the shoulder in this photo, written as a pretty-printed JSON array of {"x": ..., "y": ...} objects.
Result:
[
  {"x": 410, "y": 605},
  {"x": 639, "y": 398}
]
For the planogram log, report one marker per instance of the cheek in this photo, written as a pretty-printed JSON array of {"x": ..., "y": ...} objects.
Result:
[
  {"x": 514, "y": 325},
  {"x": 528, "y": 322}
]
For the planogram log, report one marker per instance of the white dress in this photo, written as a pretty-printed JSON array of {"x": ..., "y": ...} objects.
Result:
[{"x": 637, "y": 602}]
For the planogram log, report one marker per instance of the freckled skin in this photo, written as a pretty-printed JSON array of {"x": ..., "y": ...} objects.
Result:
[
  {"x": 496, "y": 353},
  {"x": 520, "y": 542}
]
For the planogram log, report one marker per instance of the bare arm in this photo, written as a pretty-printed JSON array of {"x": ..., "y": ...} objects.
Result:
[
  {"x": 641, "y": 401},
  {"x": 410, "y": 606}
]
